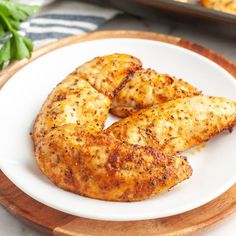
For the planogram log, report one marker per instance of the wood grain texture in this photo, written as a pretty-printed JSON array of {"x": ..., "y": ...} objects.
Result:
[{"x": 51, "y": 221}]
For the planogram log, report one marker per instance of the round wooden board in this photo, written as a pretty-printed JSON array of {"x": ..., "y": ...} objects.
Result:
[{"x": 55, "y": 222}]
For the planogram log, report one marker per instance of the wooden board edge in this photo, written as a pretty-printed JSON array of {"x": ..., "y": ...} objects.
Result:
[
  {"x": 24, "y": 215},
  {"x": 71, "y": 229}
]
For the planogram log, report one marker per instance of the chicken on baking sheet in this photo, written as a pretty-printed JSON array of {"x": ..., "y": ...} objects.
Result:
[{"x": 228, "y": 6}]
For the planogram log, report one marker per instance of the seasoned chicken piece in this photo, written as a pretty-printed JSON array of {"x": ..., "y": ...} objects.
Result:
[
  {"x": 108, "y": 72},
  {"x": 74, "y": 101},
  {"x": 228, "y": 6},
  {"x": 146, "y": 88},
  {"x": 83, "y": 98},
  {"x": 177, "y": 125},
  {"x": 73, "y": 152},
  {"x": 99, "y": 166}
]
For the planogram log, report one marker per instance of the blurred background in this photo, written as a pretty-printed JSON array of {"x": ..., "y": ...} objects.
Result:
[
  {"x": 182, "y": 18},
  {"x": 212, "y": 25},
  {"x": 186, "y": 19}
]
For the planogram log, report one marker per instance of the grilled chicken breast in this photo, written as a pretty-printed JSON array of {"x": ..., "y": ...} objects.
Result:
[
  {"x": 75, "y": 153},
  {"x": 228, "y": 6},
  {"x": 177, "y": 125},
  {"x": 84, "y": 97},
  {"x": 109, "y": 73},
  {"x": 99, "y": 166},
  {"x": 146, "y": 88}
]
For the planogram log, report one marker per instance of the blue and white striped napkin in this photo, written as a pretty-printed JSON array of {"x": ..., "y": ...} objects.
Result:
[{"x": 65, "y": 18}]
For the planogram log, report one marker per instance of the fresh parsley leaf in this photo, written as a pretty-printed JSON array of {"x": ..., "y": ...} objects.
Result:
[
  {"x": 13, "y": 49},
  {"x": 1, "y": 32},
  {"x": 29, "y": 44},
  {"x": 15, "y": 24},
  {"x": 21, "y": 49},
  {"x": 5, "y": 53},
  {"x": 4, "y": 9},
  {"x": 12, "y": 11},
  {"x": 28, "y": 10},
  {"x": 18, "y": 11},
  {"x": 16, "y": 46}
]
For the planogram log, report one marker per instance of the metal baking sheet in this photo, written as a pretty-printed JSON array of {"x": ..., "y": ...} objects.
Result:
[
  {"x": 149, "y": 8},
  {"x": 191, "y": 8}
]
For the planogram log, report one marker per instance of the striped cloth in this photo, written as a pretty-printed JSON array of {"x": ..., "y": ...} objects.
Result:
[{"x": 64, "y": 18}]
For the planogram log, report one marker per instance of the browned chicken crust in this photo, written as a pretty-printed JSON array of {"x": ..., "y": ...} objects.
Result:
[
  {"x": 228, "y": 6},
  {"x": 99, "y": 166},
  {"x": 73, "y": 152},
  {"x": 177, "y": 125},
  {"x": 83, "y": 98},
  {"x": 108, "y": 74},
  {"x": 146, "y": 88}
]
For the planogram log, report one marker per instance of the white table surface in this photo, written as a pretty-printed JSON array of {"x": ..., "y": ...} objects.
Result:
[{"x": 206, "y": 35}]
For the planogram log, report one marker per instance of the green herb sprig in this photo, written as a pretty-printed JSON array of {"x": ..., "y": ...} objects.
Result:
[{"x": 15, "y": 46}]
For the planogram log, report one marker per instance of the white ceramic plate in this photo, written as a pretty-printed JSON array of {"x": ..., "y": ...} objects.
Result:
[{"x": 21, "y": 98}]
